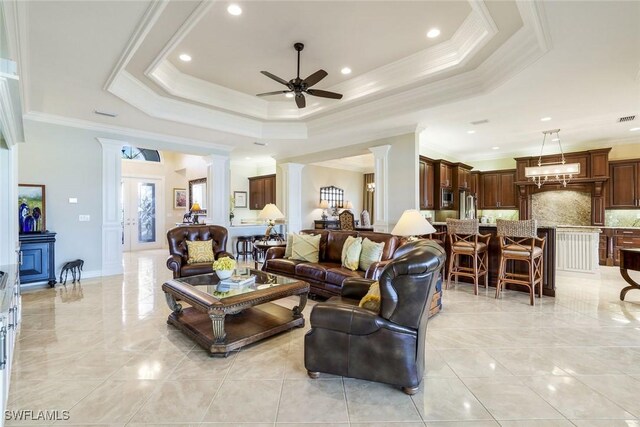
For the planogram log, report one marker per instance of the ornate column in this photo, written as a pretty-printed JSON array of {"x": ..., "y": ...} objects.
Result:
[
  {"x": 111, "y": 206},
  {"x": 218, "y": 189},
  {"x": 380, "y": 195},
  {"x": 291, "y": 199}
]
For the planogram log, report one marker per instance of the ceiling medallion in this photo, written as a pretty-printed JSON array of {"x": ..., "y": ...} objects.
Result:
[{"x": 552, "y": 172}]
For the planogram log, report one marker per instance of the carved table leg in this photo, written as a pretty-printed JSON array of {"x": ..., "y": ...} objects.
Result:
[
  {"x": 217, "y": 320},
  {"x": 171, "y": 302},
  {"x": 297, "y": 310},
  {"x": 633, "y": 285}
]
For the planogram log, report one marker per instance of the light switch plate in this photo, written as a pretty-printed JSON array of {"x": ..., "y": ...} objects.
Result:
[
  {"x": 84, "y": 218},
  {"x": 73, "y": 200}
]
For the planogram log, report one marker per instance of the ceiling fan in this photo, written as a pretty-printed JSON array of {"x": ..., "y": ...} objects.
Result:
[{"x": 299, "y": 87}]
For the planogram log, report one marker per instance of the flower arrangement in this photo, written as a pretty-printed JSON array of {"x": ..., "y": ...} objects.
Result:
[{"x": 224, "y": 263}]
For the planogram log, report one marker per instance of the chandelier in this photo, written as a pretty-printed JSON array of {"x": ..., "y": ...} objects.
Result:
[{"x": 552, "y": 172}]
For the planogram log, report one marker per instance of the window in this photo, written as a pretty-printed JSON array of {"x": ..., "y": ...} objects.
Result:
[
  {"x": 141, "y": 154},
  {"x": 333, "y": 195}
]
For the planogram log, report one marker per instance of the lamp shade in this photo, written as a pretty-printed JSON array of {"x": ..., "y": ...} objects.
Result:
[
  {"x": 348, "y": 205},
  {"x": 412, "y": 223},
  {"x": 270, "y": 211},
  {"x": 195, "y": 207},
  {"x": 324, "y": 204}
]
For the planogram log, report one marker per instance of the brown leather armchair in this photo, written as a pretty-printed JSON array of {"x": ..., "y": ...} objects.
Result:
[
  {"x": 177, "y": 237},
  {"x": 387, "y": 347}
]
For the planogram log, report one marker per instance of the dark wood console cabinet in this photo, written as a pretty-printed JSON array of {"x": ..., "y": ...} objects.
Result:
[
  {"x": 37, "y": 258},
  {"x": 262, "y": 191}
]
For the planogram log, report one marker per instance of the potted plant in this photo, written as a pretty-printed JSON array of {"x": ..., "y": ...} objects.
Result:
[{"x": 223, "y": 267}]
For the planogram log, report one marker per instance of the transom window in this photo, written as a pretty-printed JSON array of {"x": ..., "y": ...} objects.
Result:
[
  {"x": 141, "y": 154},
  {"x": 333, "y": 195}
]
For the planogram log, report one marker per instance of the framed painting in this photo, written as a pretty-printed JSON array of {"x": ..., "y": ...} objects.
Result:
[
  {"x": 179, "y": 198},
  {"x": 241, "y": 199},
  {"x": 31, "y": 208}
]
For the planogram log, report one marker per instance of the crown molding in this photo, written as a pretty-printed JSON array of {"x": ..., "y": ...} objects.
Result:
[
  {"x": 10, "y": 111},
  {"x": 122, "y": 131},
  {"x": 149, "y": 19},
  {"x": 15, "y": 20},
  {"x": 475, "y": 32},
  {"x": 134, "y": 92},
  {"x": 186, "y": 27}
]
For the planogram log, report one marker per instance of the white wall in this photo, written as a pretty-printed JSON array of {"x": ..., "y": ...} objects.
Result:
[
  {"x": 241, "y": 171},
  {"x": 68, "y": 167},
  {"x": 314, "y": 177}
]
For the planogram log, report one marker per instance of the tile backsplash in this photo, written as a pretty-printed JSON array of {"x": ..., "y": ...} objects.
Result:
[
  {"x": 622, "y": 218},
  {"x": 562, "y": 207}
]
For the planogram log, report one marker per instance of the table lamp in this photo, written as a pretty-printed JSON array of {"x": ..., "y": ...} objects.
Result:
[
  {"x": 412, "y": 224},
  {"x": 270, "y": 212},
  {"x": 195, "y": 208},
  {"x": 348, "y": 205},
  {"x": 324, "y": 205}
]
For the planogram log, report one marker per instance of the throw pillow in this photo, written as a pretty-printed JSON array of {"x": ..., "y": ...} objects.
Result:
[
  {"x": 371, "y": 252},
  {"x": 351, "y": 252},
  {"x": 306, "y": 247},
  {"x": 371, "y": 301},
  {"x": 289, "y": 249},
  {"x": 200, "y": 251}
]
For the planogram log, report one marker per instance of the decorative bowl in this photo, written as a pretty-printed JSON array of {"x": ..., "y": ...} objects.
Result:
[{"x": 224, "y": 274}]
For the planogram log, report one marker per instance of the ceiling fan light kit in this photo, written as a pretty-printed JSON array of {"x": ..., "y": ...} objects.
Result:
[{"x": 297, "y": 87}]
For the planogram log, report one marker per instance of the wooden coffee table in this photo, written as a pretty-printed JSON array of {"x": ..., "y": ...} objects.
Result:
[{"x": 224, "y": 319}]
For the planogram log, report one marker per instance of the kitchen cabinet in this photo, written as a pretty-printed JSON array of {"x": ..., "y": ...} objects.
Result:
[
  {"x": 427, "y": 178},
  {"x": 463, "y": 176},
  {"x": 498, "y": 190},
  {"x": 262, "y": 191},
  {"x": 624, "y": 238},
  {"x": 446, "y": 175},
  {"x": 624, "y": 184},
  {"x": 603, "y": 248},
  {"x": 474, "y": 186}
]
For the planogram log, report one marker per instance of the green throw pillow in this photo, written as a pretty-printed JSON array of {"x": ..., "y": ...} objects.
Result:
[
  {"x": 351, "y": 252},
  {"x": 289, "y": 249},
  {"x": 306, "y": 247},
  {"x": 371, "y": 301},
  {"x": 199, "y": 251},
  {"x": 371, "y": 252}
]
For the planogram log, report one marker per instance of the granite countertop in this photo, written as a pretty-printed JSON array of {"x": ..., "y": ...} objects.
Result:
[
  {"x": 560, "y": 226},
  {"x": 493, "y": 224}
]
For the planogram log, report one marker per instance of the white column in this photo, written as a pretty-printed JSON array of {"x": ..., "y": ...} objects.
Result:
[
  {"x": 8, "y": 197},
  {"x": 111, "y": 206},
  {"x": 380, "y": 195},
  {"x": 218, "y": 189},
  {"x": 292, "y": 195}
]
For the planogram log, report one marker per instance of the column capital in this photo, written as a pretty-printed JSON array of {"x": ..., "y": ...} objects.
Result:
[
  {"x": 215, "y": 158},
  {"x": 111, "y": 143},
  {"x": 291, "y": 166},
  {"x": 380, "y": 151}
]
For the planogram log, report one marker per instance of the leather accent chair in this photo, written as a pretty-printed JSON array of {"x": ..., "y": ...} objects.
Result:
[
  {"x": 388, "y": 347},
  {"x": 178, "y": 236}
]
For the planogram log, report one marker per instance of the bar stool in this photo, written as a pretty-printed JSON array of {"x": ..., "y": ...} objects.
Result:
[
  {"x": 244, "y": 246},
  {"x": 519, "y": 241},
  {"x": 255, "y": 253},
  {"x": 465, "y": 240}
]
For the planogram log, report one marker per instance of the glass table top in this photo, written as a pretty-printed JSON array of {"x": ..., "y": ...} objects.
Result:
[{"x": 211, "y": 284}]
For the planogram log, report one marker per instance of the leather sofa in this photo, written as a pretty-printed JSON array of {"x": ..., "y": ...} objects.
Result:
[
  {"x": 326, "y": 276},
  {"x": 388, "y": 346},
  {"x": 178, "y": 236}
]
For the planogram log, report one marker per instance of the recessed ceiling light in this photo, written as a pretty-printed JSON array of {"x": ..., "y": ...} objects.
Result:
[
  {"x": 433, "y": 33},
  {"x": 545, "y": 119},
  {"x": 555, "y": 139},
  {"x": 634, "y": 129},
  {"x": 248, "y": 158},
  {"x": 234, "y": 9},
  {"x": 346, "y": 70},
  {"x": 185, "y": 57},
  {"x": 288, "y": 95},
  {"x": 495, "y": 148},
  {"x": 471, "y": 131}
]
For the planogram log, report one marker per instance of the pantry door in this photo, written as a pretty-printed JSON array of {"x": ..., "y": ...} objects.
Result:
[{"x": 141, "y": 213}]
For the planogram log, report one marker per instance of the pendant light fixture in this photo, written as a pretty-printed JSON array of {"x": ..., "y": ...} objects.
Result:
[{"x": 552, "y": 172}]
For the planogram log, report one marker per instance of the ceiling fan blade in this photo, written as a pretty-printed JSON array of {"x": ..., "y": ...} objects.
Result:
[
  {"x": 324, "y": 94},
  {"x": 277, "y": 92},
  {"x": 315, "y": 78},
  {"x": 276, "y": 78},
  {"x": 300, "y": 101}
]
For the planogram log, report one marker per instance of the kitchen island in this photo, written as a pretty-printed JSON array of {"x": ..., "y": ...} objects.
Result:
[{"x": 549, "y": 257}]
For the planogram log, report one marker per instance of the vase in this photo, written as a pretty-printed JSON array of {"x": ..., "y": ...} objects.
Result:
[{"x": 224, "y": 274}]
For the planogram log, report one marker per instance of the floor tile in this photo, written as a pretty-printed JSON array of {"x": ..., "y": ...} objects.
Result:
[
  {"x": 369, "y": 401},
  {"x": 473, "y": 363},
  {"x": 245, "y": 401},
  {"x": 622, "y": 389},
  {"x": 448, "y": 400},
  {"x": 312, "y": 401}
]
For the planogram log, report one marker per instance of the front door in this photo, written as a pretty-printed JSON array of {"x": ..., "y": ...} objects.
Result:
[{"x": 141, "y": 200}]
